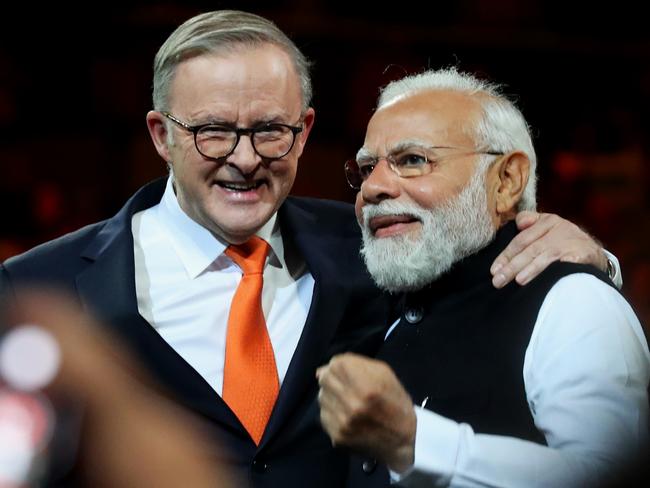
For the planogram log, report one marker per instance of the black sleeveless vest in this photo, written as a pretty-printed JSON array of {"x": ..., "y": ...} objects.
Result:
[{"x": 460, "y": 344}]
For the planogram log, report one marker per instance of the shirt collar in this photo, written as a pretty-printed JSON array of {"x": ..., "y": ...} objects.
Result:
[{"x": 197, "y": 247}]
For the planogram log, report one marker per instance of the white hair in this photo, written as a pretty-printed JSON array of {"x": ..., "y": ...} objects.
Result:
[
  {"x": 218, "y": 32},
  {"x": 501, "y": 128}
]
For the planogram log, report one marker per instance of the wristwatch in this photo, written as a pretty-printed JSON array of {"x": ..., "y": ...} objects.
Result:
[{"x": 611, "y": 270}]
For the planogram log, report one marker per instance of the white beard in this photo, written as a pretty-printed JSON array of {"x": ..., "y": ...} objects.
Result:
[{"x": 449, "y": 233}]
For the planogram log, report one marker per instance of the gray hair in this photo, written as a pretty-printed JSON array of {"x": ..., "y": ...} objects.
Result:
[
  {"x": 502, "y": 126},
  {"x": 217, "y": 32}
]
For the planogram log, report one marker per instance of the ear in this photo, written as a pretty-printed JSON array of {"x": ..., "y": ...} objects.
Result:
[
  {"x": 308, "y": 123},
  {"x": 511, "y": 172},
  {"x": 158, "y": 132}
]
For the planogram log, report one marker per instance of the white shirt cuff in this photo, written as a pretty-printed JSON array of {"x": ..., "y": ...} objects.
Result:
[{"x": 436, "y": 450}]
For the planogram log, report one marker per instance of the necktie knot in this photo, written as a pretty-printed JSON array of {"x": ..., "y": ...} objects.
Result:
[{"x": 249, "y": 256}]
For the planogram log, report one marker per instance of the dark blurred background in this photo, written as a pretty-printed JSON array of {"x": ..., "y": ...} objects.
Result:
[{"x": 75, "y": 85}]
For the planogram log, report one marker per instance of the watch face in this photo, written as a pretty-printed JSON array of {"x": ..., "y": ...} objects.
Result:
[{"x": 610, "y": 269}]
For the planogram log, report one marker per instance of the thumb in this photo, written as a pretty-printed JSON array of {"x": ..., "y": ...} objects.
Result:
[{"x": 526, "y": 218}]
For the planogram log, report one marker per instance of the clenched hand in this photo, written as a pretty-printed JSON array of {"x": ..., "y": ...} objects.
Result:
[{"x": 364, "y": 407}]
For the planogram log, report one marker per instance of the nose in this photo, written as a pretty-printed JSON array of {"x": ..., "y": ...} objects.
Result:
[
  {"x": 382, "y": 184},
  {"x": 244, "y": 157}
]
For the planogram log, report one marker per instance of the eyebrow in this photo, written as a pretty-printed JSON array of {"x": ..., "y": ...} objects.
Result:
[
  {"x": 207, "y": 120},
  {"x": 364, "y": 153},
  {"x": 212, "y": 120}
]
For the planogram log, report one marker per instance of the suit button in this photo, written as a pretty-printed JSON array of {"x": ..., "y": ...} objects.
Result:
[
  {"x": 414, "y": 315},
  {"x": 369, "y": 465},
  {"x": 260, "y": 466}
]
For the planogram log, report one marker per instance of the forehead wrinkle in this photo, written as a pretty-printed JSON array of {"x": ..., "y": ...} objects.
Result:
[
  {"x": 246, "y": 85},
  {"x": 233, "y": 121}
]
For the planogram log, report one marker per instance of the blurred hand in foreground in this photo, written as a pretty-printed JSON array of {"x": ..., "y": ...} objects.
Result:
[{"x": 130, "y": 435}]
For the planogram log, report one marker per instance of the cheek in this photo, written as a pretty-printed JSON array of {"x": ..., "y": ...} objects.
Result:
[
  {"x": 177, "y": 156},
  {"x": 286, "y": 176},
  {"x": 428, "y": 197},
  {"x": 182, "y": 171},
  {"x": 430, "y": 194},
  {"x": 183, "y": 150}
]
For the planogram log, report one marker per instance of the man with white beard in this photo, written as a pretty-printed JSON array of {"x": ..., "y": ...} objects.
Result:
[{"x": 536, "y": 385}]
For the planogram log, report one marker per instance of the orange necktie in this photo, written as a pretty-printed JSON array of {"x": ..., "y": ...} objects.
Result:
[{"x": 250, "y": 377}]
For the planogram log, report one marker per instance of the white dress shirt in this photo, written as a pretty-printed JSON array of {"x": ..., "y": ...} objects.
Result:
[
  {"x": 185, "y": 284},
  {"x": 586, "y": 373}
]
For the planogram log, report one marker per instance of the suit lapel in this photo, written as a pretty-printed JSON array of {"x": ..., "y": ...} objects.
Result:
[
  {"x": 107, "y": 284},
  {"x": 325, "y": 312},
  {"x": 107, "y": 287}
]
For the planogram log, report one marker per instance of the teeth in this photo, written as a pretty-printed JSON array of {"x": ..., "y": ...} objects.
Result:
[{"x": 243, "y": 186}]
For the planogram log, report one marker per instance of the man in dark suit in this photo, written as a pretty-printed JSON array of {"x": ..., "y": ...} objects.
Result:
[
  {"x": 536, "y": 385},
  {"x": 231, "y": 118}
]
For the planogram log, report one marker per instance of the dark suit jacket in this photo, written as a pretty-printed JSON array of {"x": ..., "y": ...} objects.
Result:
[{"x": 96, "y": 264}]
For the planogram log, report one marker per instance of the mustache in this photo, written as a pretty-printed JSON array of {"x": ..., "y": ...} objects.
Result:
[{"x": 390, "y": 207}]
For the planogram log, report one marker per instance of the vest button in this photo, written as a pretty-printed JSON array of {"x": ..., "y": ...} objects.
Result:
[
  {"x": 369, "y": 465},
  {"x": 259, "y": 466},
  {"x": 414, "y": 315}
]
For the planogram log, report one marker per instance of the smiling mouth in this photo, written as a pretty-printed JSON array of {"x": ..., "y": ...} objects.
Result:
[
  {"x": 389, "y": 224},
  {"x": 241, "y": 186}
]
